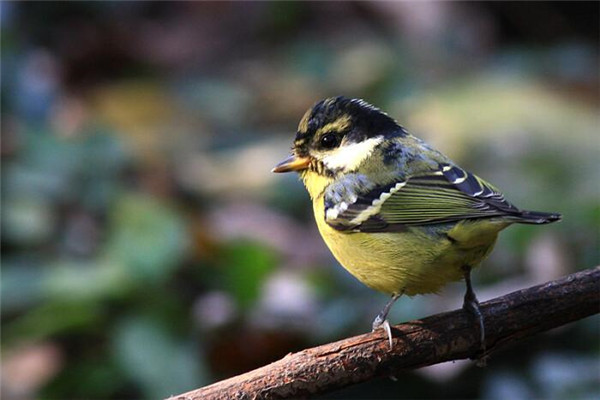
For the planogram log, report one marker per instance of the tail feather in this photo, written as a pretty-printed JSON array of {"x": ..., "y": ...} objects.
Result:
[{"x": 536, "y": 217}]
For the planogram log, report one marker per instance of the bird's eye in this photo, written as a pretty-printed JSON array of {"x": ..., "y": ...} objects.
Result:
[{"x": 329, "y": 141}]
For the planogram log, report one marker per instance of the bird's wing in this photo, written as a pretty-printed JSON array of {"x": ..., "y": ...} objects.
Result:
[{"x": 444, "y": 195}]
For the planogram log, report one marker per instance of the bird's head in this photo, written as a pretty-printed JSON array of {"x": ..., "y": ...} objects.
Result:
[{"x": 336, "y": 136}]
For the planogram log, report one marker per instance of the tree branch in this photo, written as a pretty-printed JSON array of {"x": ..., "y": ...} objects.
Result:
[{"x": 438, "y": 338}]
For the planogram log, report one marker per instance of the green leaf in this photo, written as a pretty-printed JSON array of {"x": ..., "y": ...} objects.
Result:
[
  {"x": 85, "y": 281},
  {"x": 246, "y": 267},
  {"x": 147, "y": 237},
  {"x": 51, "y": 319},
  {"x": 159, "y": 363}
]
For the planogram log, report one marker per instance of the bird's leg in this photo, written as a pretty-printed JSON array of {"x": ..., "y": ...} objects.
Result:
[
  {"x": 381, "y": 318},
  {"x": 471, "y": 305}
]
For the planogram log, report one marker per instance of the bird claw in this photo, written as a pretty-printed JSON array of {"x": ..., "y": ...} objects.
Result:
[
  {"x": 385, "y": 325},
  {"x": 377, "y": 322},
  {"x": 381, "y": 318}
]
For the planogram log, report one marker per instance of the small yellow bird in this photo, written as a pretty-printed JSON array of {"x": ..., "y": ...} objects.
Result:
[{"x": 397, "y": 214}]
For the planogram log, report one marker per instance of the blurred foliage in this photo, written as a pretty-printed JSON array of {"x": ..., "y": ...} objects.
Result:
[{"x": 147, "y": 249}]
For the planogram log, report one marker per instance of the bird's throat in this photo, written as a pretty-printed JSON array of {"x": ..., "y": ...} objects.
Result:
[{"x": 315, "y": 183}]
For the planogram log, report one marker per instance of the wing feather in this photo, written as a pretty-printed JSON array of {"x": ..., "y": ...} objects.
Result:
[{"x": 445, "y": 195}]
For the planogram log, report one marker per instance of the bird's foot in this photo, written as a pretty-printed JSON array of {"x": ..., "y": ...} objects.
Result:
[
  {"x": 379, "y": 322},
  {"x": 381, "y": 318},
  {"x": 471, "y": 306}
]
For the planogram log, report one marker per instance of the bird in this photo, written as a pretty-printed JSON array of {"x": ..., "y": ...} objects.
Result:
[{"x": 397, "y": 214}]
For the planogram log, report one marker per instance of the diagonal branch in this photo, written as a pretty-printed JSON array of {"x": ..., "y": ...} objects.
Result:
[{"x": 432, "y": 340}]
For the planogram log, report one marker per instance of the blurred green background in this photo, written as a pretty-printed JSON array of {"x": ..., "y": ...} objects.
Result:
[{"x": 147, "y": 249}]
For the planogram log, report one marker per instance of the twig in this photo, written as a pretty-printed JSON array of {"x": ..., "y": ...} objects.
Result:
[{"x": 438, "y": 338}]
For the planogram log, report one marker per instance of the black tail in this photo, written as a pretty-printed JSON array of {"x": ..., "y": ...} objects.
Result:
[{"x": 537, "y": 217}]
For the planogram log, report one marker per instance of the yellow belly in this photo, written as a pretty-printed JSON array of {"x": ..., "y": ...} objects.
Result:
[{"x": 413, "y": 262}]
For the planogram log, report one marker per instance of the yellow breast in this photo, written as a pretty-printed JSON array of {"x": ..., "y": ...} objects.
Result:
[
  {"x": 413, "y": 261},
  {"x": 388, "y": 262}
]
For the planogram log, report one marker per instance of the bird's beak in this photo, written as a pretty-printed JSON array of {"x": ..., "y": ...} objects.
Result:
[{"x": 292, "y": 163}]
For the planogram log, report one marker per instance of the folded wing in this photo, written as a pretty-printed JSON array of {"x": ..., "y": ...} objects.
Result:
[{"x": 444, "y": 195}]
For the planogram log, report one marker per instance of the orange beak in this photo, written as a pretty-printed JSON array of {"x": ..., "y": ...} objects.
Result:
[{"x": 292, "y": 163}]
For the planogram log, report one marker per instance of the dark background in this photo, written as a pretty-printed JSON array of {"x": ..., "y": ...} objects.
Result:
[{"x": 147, "y": 249}]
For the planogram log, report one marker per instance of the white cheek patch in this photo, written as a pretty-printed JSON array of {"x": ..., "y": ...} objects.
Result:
[{"x": 350, "y": 156}]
